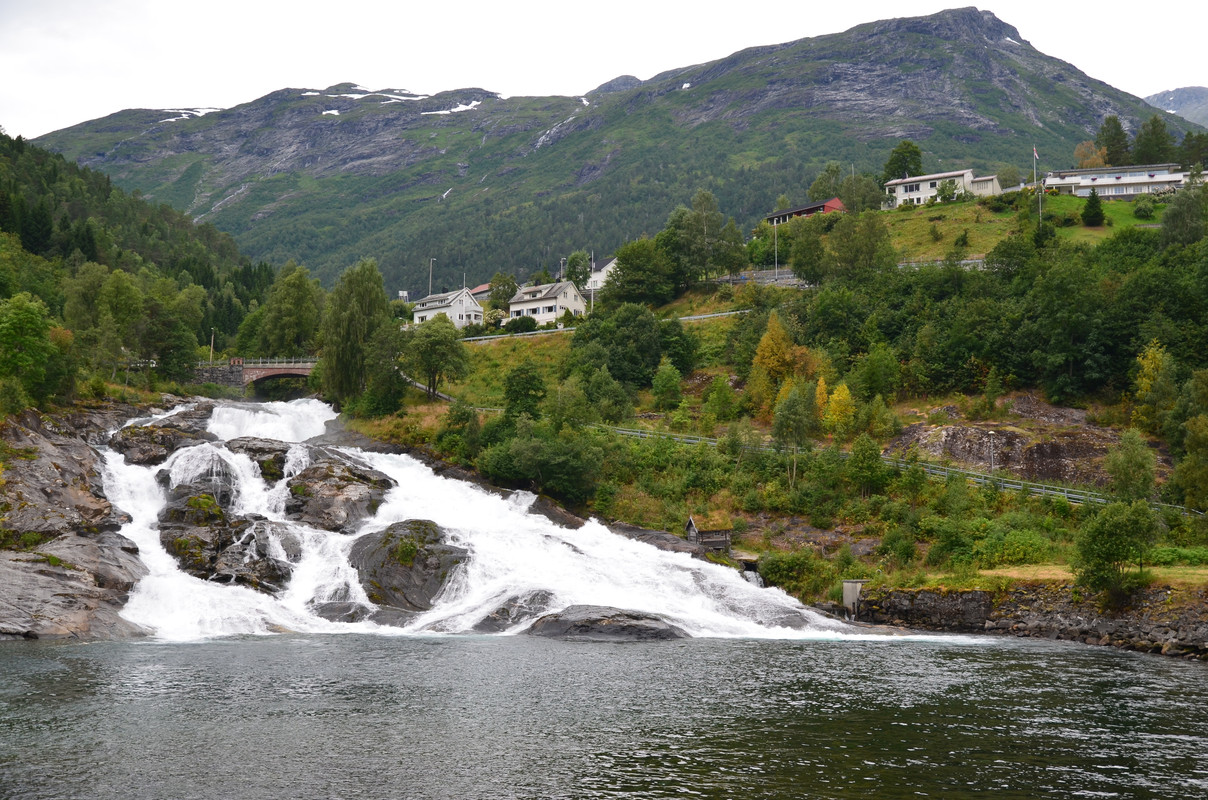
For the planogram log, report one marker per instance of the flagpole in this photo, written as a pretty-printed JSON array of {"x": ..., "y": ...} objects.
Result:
[{"x": 1039, "y": 191}]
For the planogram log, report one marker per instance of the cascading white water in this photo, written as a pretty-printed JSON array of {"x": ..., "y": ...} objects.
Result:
[{"x": 513, "y": 553}]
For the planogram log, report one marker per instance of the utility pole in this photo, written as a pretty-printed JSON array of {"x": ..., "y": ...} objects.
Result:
[
  {"x": 211, "y": 345},
  {"x": 431, "y": 261}
]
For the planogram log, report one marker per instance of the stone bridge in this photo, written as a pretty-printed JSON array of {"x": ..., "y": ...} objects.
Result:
[{"x": 238, "y": 371}]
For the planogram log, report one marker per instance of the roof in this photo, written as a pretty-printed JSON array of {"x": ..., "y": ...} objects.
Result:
[
  {"x": 1113, "y": 171},
  {"x": 934, "y": 177},
  {"x": 442, "y": 299},
  {"x": 542, "y": 291},
  {"x": 480, "y": 288},
  {"x": 806, "y": 210}
]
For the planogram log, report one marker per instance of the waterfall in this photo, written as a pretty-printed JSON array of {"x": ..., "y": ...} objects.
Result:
[{"x": 512, "y": 553}]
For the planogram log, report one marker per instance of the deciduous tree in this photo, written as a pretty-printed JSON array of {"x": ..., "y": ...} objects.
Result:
[{"x": 906, "y": 159}]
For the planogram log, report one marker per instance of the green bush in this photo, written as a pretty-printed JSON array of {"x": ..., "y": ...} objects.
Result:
[{"x": 802, "y": 573}]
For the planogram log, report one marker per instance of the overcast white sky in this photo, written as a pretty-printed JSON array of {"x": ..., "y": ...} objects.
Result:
[{"x": 69, "y": 61}]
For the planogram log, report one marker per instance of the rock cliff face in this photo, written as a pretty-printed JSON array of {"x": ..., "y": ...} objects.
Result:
[
  {"x": 71, "y": 571},
  {"x": 1172, "y": 622}
]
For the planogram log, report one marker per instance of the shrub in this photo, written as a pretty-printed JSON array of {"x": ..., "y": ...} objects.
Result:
[
  {"x": 520, "y": 325},
  {"x": 1143, "y": 207},
  {"x": 802, "y": 572}
]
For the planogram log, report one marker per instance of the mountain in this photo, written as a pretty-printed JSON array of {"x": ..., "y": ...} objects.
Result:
[
  {"x": 1190, "y": 103},
  {"x": 482, "y": 183}
]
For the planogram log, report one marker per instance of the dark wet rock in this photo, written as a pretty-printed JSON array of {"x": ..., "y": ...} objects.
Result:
[
  {"x": 405, "y": 567},
  {"x": 148, "y": 445},
  {"x": 335, "y": 494},
  {"x": 269, "y": 455},
  {"x": 209, "y": 544},
  {"x": 660, "y": 539},
  {"x": 341, "y": 611},
  {"x": 1156, "y": 620},
  {"x": 515, "y": 611},
  {"x": 216, "y": 480},
  {"x": 605, "y": 624}
]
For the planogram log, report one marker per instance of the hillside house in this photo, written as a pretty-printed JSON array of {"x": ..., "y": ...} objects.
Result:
[
  {"x": 1117, "y": 183},
  {"x": 825, "y": 207},
  {"x": 459, "y": 306},
  {"x": 918, "y": 190},
  {"x": 546, "y": 302},
  {"x": 599, "y": 275}
]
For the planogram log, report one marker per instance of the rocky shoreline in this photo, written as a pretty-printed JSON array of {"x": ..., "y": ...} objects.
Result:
[{"x": 1163, "y": 620}]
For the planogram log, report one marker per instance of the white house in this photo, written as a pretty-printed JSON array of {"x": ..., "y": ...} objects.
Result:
[
  {"x": 920, "y": 189},
  {"x": 1117, "y": 183},
  {"x": 546, "y": 302},
  {"x": 599, "y": 275},
  {"x": 459, "y": 306}
]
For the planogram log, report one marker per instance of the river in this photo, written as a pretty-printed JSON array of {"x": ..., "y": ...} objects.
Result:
[{"x": 219, "y": 702}]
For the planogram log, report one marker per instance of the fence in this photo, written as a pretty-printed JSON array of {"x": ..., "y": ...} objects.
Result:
[{"x": 938, "y": 471}]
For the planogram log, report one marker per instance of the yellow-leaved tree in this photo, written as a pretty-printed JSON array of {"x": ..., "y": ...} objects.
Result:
[
  {"x": 840, "y": 417},
  {"x": 1156, "y": 388}
]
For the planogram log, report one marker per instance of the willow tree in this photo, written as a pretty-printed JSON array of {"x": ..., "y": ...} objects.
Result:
[{"x": 356, "y": 308}]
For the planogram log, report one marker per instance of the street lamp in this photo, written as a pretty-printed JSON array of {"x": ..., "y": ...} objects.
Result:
[
  {"x": 431, "y": 261},
  {"x": 211, "y": 345}
]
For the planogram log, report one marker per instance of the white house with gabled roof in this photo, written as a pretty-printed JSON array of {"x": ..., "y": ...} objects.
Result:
[
  {"x": 460, "y": 307},
  {"x": 546, "y": 302},
  {"x": 920, "y": 189}
]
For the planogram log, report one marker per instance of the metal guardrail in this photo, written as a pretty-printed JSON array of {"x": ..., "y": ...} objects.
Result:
[
  {"x": 262, "y": 362},
  {"x": 939, "y": 471}
]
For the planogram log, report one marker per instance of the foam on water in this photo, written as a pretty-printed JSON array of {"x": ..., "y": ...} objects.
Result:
[{"x": 514, "y": 556}]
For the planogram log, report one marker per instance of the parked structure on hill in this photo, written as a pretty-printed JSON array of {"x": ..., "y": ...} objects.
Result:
[
  {"x": 546, "y": 302},
  {"x": 459, "y": 306},
  {"x": 921, "y": 188},
  {"x": 1117, "y": 183},
  {"x": 825, "y": 207}
]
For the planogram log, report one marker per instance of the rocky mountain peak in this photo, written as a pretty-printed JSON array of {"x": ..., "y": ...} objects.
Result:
[{"x": 962, "y": 24}]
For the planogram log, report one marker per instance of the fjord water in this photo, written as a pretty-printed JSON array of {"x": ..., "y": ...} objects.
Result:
[{"x": 219, "y": 702}]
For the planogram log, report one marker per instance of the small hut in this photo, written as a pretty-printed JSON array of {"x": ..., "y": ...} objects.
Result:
[{"x": 715, "y": 540}]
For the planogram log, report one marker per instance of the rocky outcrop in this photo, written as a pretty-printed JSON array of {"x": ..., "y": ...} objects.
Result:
[
  {"x": 404, "y": 568},
  {"x": 660, "y": 539},
  {"x": 66, "y": 571},
  {"x": 604, "y": 624},
  {"x": 335, "y": 494},
  {"x": 208, "y": 544},
  {"x": 268, "y": 454},
  {"x": 1164, "y": 620},
  {"x": 148, "y": 445}
]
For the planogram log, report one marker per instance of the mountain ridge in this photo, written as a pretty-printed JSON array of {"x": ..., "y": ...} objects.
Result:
[
  {"x": 1189, "y": 102},
  {"x": 528, "y": 179}
]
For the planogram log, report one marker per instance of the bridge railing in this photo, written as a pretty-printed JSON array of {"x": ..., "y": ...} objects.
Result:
[{"x": 309, "y": 361}]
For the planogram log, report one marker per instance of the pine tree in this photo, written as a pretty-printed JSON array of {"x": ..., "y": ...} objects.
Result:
[
  {"x": 1092, "y": 212},
  {"x": 1112, "y": 138}
]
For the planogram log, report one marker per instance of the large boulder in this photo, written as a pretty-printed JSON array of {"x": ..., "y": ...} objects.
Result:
[
  {"x": 147, "y": 445},
  {"x": 268, "y": 454},
  {"x": 404, "y": 568},
  {"x": 334, "y": 493},
  {"x": 208, "y": 544},
  {"x": 515, "y": 611},
  {"x": 605, "y": 624}
]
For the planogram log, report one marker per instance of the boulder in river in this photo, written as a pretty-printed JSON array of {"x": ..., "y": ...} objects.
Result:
[
  {"x": 405, "y": 567},
  {"x": 335, "y": 494},
  {"x": 605, "y": 624}
]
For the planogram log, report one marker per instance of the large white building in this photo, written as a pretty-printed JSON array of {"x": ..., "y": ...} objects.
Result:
[
  {"x": 546, "y": 302},
  {"x": 459, "y": 306},
  {"x": 920, "y": 189},
  {"x": 1116, "y": 183}
]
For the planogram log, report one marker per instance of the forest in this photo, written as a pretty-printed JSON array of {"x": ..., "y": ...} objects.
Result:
[{"x": 99, "y": 288}]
